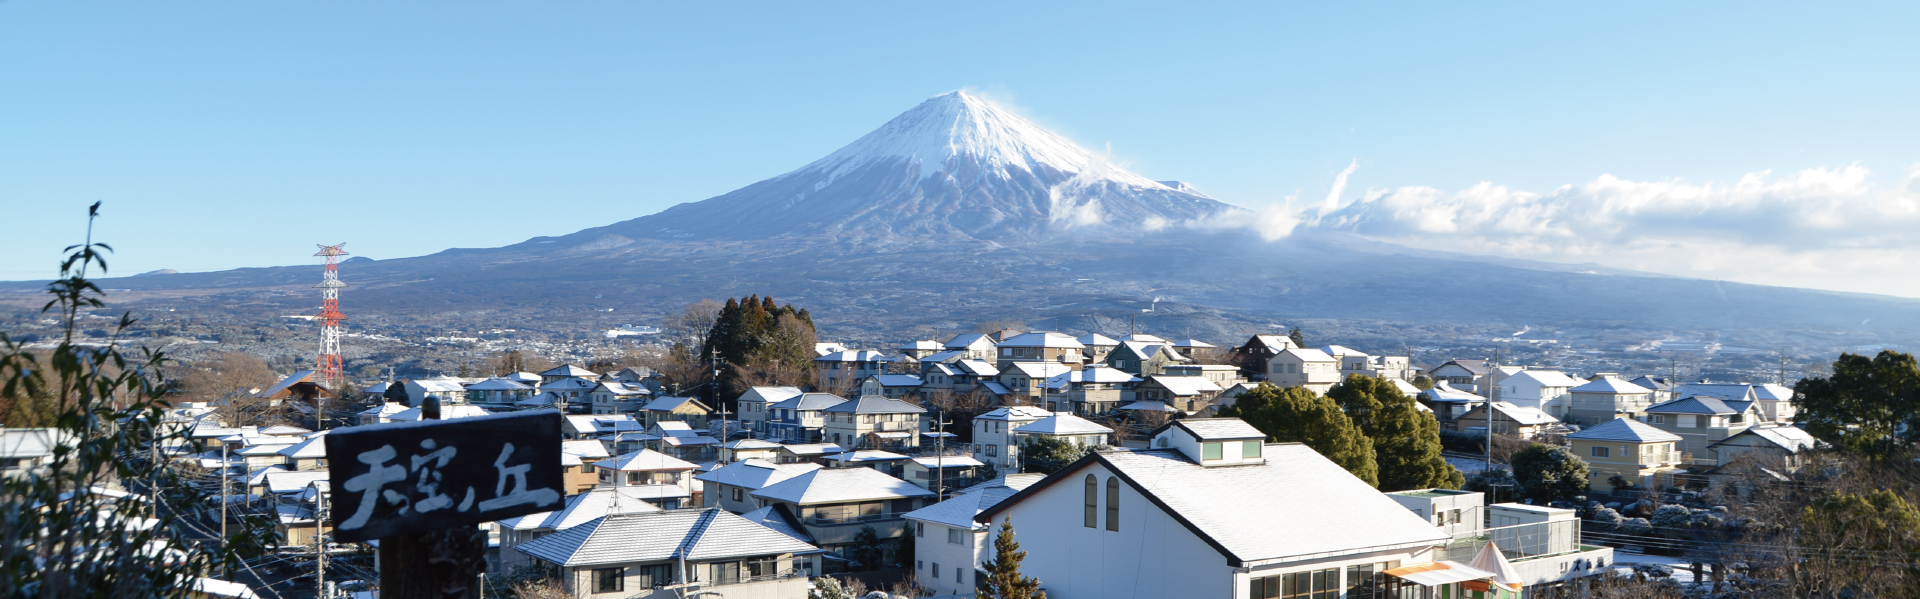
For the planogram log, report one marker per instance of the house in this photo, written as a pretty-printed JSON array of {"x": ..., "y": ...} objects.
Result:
[
  {"x": 1544, "y": 543},
  {"x": 632, "y": 374},
  {"x": 1027, "y": 380},
  {"x": 873, "y": 422},
  {"x": 1310, "y": 368},
  {"x": 660, "y": 479},
  {"x": 1702, "y": 421},
  {"x": 1661, "y": 387},
  {"x": 1185, "y": 393},
  {"x": 309, "y": 454},
  {"x": 375, "y": 393},
  {"x": 1066, "y": 427},
  {"x": 1257, "y": 351},
  {"x": 676, "y": 409},
  {"x": 887, "y": 462},
  {"x": 1776, "y": 447},
  {"x": 833, "y": 505},
  {"x": 1184, "y": 508},
  {"x": 499, "y": 392},
  {"x": 993, "y": 438},
  {"x": 619, "y": 428},
  {"x": 569, "y": 391},
  {"x": 1464, "y": 375},
  {"x": 891, "y": 385},
  {"x": 698, "y": 553},
  {"x": 446, "y": 413},
  {"x": 1544, "y": 390},
  {"x": 298, "y": 387},
  {"x": 26, "y": 451},
  {"x": 576, "y": 470},
  {"x": 826, "y": 347},
  {"x": 1448, "y": 404},
  {"x": 947, "y": 473},
  {"x": 1095, "y": 347},
  {"x": 973, "y": 346},
  {"x": 845, "y": 368},
  {"x": 1508, "y": 419},
  {"x": 448, "y": 390},
  {"x": 567, "y": 371},
  {"x": 1605, "y": 398},
  {"x": 617, "y": 397},
  {"x": 727, "y": 487},
  {"x": 755, "y": 405},
  {"x": 1775, "y": 401},
  {"x": 920, "y": 348},
  {"x": 1195, "y": 348},
  {"x": 1222, "y": 375},
  {"x": 1041, "y": 346},
  {"x": 948, "y": 546},
  {"x": 679, "y": 440},
  {"x": 807, "y": 453},
  {"x": 576, "y": 510},
  {"x": 1630, "y": 449},
  {"x": 748, "y": 449},
  {"x": 1143, "y": 359},
  {"x": 1091, "y": 391}
]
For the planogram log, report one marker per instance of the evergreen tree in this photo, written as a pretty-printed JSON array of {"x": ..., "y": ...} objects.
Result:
[
  {"x": 1299, "y": 339},
  {"x": 1549, "y": 472},
  {"x": 1869, "y": 407},
  {"x": 1406, "y": 443},
  {"x": 1004, "y": 580},
  {"x": 753, "y": 332},
  {"x": 1042, "y": 454},
  {"x": 1296, "y": 414}
]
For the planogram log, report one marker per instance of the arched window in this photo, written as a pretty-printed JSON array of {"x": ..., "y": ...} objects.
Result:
[
  {"x": 1093, "y": 499},
  {"x": 1113, "y": 504}
]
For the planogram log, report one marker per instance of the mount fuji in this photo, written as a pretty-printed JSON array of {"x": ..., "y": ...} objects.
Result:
[{"x": 958, "y": 211}]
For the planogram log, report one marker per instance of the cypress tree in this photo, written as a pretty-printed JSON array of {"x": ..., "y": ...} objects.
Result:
[
  {"x": 1406, "y": 443},
  {"x": 1004, "y": 580},
  {"x": 1296, "y": 414}
]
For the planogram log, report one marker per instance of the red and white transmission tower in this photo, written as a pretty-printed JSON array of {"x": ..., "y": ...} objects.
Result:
[{"x": 329, "y": 370}]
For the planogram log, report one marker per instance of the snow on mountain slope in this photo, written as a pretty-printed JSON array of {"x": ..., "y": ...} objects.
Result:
[{"x": 954, "y": 167}]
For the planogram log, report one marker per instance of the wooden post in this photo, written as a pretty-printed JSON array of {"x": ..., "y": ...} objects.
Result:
[{"x": 439, "y": 564}]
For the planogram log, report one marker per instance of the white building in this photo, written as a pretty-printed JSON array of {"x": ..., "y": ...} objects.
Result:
[
  {"x": 1310, "y": 368},
  {"x": 993, "y": 437},
  {"x": 1544, "y": 390},
  {"x": 948, "y": 546}
]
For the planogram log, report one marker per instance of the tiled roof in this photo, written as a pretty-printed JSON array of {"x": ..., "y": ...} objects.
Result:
[
  {"x": 644, "y": 460},
  {"x": 498, "y": 385},
  {"x": 582, "y": 508},
  {"x": 1611, "y": 385},
  {"x": 1042, "y": 339},
  {"x": 835, "y": 486},
  {"x": 1308, "y": 506},
  {"x": 1731, "y": 391},
  {"x": 571, "y": 370},
  {"x": 1521, "y": 415},
  {"x": 1546, "y": 378},
  {"x": 1062, "y": 423},
  {"x": 696, "y": 534},
  {"x": 777, "y": 518},
  {"x": 585, "y": 449},
  {"x": 1015, "y": 413},
  {"x": 1149, "y": 406},
  {"x": 898, "y": 380},
  {"x": 866, "y": 455},
  {"x": 959, "y": 510},
  {"x": 313, "y": 447},
  {"x": 811, "y": 449},
  {"x": 1219, "y": 429},
  {"x": 385, "y": 409},
  {"x": 293, "y": 481},
  {"x": 854, "y": 355},
  {"x": 978, "y": 368},
  {"x": 876, "y": 404},
  {"x": 1790, "y": 438},
  {"x": 1182, "y": 386},
  {"x": 1040, "y": 370},
  {"x": 1445, "y": 393},
  {"x": 810, "y": 401},
  {"x": 771, "y": 394},
  {"x": 668, "y": 404},
  {"x": 1698, "y": 404},
  {"x": 962, "y": 341},
  {"x": 754, "y": 473},
  {"x": 1625, "y": 429},
  {"x": 291, "y": 380},
  {"x": 951, "y": 461},
  {"x": 996, "y": 388},
  {"x": 1308, "y": 355},
  {"x": 1096, "y": 339}
]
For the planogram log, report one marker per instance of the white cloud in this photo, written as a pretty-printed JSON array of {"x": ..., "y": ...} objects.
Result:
[{"x": 1829, "y": 228}]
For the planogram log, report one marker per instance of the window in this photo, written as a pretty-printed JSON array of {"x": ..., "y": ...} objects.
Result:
[
  {"x": 1249, "y": 449},
  {"x": 1093, "y": 502},
  {"x": 955, "y": 537},
  {"x": 1210, "y": 451},
  {"x": 1659, "y": 419},
  {"x": 1113, "y": 504},
  {"x": 738, "y": 495},
  {"x": 1453, "y": 516},
  {"x": 1600, "y": 452},
  {"x": 609, "y": 580},
  {"x": 1441, "y": 517},
  {"x": 936, "y": 570},
  {"x": 1687, "y": 421},
  {"x": 956, "y": 575},
  {"x": 919, "y": 529},
  {"x": 655, "y": 576}
]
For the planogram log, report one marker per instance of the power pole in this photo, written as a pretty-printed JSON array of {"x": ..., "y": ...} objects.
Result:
[
  {"x": 939, "y": 455},
  {"x": 723, "y": 437},
  {"x": 319, "y": 539},
  {"x": 225, "y": 468}
]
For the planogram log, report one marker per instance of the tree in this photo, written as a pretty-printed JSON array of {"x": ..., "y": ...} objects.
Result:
[
  {"x": 754, "y": 333},
  {"x": 1839, "y": 527},
  {"x": 1869, "y": 407},
  {"x": 1299, "y": 339},
  {"x": 1549, "y": 472},
  {"x": 1004, "y": 580},
  {"x": 1496, "y": 483},
  {"x": 228, "y": 382},
  {"x": 1423, "y": 382},
  {"x": 1296, "y": 414},
  {"x": 868, "y": 549},
  {"x": 1406, "y": 443},
  {"x": 1042, "y": 454}
]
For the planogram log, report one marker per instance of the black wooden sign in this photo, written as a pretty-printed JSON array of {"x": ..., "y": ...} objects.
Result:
[{"x": 408, "y": 477}]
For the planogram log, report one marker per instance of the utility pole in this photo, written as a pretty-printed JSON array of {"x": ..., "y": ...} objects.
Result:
[
  {"x": 939, "y": 455},
  {"x": 319, "y": 539},
  {"x": 1491, "y": 386},
  {"x": 722, "y": 457},
  {"x": 225, "y": 468}
]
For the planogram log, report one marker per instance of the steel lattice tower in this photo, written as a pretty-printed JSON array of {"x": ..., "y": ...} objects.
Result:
[{"x": 329, "y": 371}]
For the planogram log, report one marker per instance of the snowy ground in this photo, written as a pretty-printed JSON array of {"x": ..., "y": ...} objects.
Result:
[
  {"x": 1623, "y": 565},
  {"x": 1467, "y": 466}
]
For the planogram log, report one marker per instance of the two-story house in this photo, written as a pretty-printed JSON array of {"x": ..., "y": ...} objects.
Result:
[
  {"x": 1606, "y": 398},
  {"x": 728, "y": 486},
  {"x": 799, "y": 419},
  {"x": 498, "y": 392},
  {"x": 891, "y": 385},
  {"x": 1096, "y": 347},
  {"x": 834, "y": 505},
  {"x": 1701, "y": 421},
  {"x": 1448, "y": 404},
  {"x": 1781, "y": 448},
  {"x": 615, "y": 397},
  {"x": 1661, "y": 387},
  {"x": 948, "y": 546},
  {"x": 1775, "y": 402},
  {"x": 570, "y": 391},
  {"x": 678, "y": 439},
  {"x": 973, "y": 346},
  {"x": 1257, "y": 352},
  {"x": 1463, "y": 374},
  {"x": 920, "y": 348},
  {"x": 1092, "y": 391},
  {"x": 1067, "y": 427},
  {"x": 1633, "y": 450},
  {"x": 1185, "y": 393},
  {"x": 1310, "y": 368},
  {"x": 844, "y": 369},
  {"x": 567, "y": 371},
  {"x": 676, "y": 409},
  {"x": 1544, "y": 390},
  {"x": 1041, "y": 346},
  {"x": 993, "y": 438},
  {"x": 1508, "y": 419},
  {"x": 672, "y": 554},
  {"x": 658, "y": 478},
  {"x": 756, "y": 403},
  {"x": 873, "y": 422},
  {"x": 1028, "y": 379},
  {"x": 578, "y": 509},
  {"x": 1144, "y": 359},
  {"x": 1539, "y": 545},
  {"x": 1182, "y": 507}
]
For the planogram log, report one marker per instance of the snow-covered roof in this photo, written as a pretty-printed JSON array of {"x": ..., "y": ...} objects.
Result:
[
  {"x": 1445, "y": 393},
  {"x": 1404, "y": 387},
  {"x": 584, "y": 507},
  {"x": 1624, "y": 429},
  {"x": 771, "y": 394},
  {"x": 313, "y": 447},
  {"x": 682, "y": 441},
  {"x": 978, "y": 368},
  {"x": 1183, "y": 386},
  {"x": 695, "y": 534},
  {"x": 1149, "y": 406},
  {"x": 1094, "y": 373},
  {"x": 439, "y": 385},
  {"x": 498, "y": 385},
  {"x": 1652, "y": 382},
  {"x": 585, "y": 449},
  {"x": 1145, "y": 338},
  {"x": 285, "y": 431},
  {"x": 1791, "y": 438},
  {"x": 865, "y": 456},
  {"x": 289, "y": 381},
  {"x": 669, "y": 404},
  {"x": 645, "y": 460},
  {"x": 776, "y": 518},
  {"x": 523, "y": 377},
  {"x": 1307, "y": 355},
  {"x": 1040, "y": 370},
  {"x": 1545, "y": 378},
  {"x": 752, "y": 444},
  {"x": 811, "y": 449},
  {"x": 951, "y": 461},
  {"x": 1611, "y": 385},
  {"x": 1699, "y": 404},
  {"x": 898, "y": 380},
  {"x": 1042, "y": 339},
  {"x": 996, "y": 388},
  {"x": 603, "y": 423},
  {"x": 572, "y": 384},
  {"x": 446, "y": 413},
  {"x": 1772, "y": 392},
  {"x": 959, "y": 510},
  {"x": 1309, "y": 506},
  {"x": 1216, "y": 429},
  {"x": 1727, "y": 391},
  {"x": 967, "y": 340},
  {"x": 1015, "y": 413},
  {"x": 570, "y": 370},
  {"x": 840, "y": 485},
  {"x": 754, "y": 473},
  {"x": 875, "y": 404},
  {"x": 1520, "y": 415},
  {"x": 1097, "y": 340},
  {"x": 623, "y": 388},
  {"x": 1062, "y": 423},
  {"x": 293, "y": 481},
  {"x": 1190, "y": 344},
  {"x": 921, "y": 345},
  {"x": 806, "y": 402},
  {"x": 854, "y": 355},
  {"x": 1341, "y": 351},
  {"x": 945, "y": 356},
  {"x": 376, "y": 388},
  {"x": 29, "y": 443}
]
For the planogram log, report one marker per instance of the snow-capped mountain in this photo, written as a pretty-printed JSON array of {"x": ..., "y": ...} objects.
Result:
[{"x": 954, "y": 166}]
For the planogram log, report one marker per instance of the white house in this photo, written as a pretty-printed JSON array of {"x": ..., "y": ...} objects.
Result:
[
  {"x": 1310, "y": 368},
  {"x": 1213, "y": 511},
  {"x": 700, "y": 553},
  {"x": 993, "y": 438},
  {"x": 948, "y": 546},
  {"x": 579, "y": 509},
  {"x": 755, "y": 403},
  {"x": 1544, "y": 390},
  {"x": 728, "y": 486}
]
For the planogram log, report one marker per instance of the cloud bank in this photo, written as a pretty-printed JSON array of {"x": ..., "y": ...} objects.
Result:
[{"x": 1826, "y": 228}]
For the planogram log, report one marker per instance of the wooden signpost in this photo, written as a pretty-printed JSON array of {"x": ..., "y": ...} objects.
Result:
[{"x": 422, "y": 487}]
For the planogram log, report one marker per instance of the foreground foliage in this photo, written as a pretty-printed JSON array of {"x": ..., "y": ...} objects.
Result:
[{"x": 1298, "y": 415}]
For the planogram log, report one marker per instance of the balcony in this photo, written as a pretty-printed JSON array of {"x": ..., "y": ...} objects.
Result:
[
  {"x": 1543, "y": 552},
  {"x": 829, "y": 520}
]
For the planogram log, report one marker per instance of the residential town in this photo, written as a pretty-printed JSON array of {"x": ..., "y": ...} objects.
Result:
[{"x": 898, "y": 469}]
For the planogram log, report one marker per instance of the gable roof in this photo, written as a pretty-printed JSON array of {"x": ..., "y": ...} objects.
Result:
[
  {"x": 1039, "y": 370},
  {"x": 958, "y": 511},
  {"x": 584, "y": 507},
  {"x": 696, "y": 534},
  {"x": 669, "y": 404},
  {"x": 810, "y": 401},
  {"x": 920, "y": 345},
  {"x": 1214, "y": 429},
  {"x": 1014, "y": 413},
  {"x": 754, "y": 473},
  {"x": 620, "y": 388},
  {"x": 897, "y": 380},
  {"x": 854, "y": 355},
  {"x": 584, "y": 449},
  {"x": 1183, "y": 386},
  {"x": 1062, "y": 423},
  {"x": 771, "y": 394},
  {"x": 811, "y": 449},
  {"x": 1611, "y": 385},
  {"x": 1096, "y": 340},
  {"x": 644, "y": 460},
  {"x": 1521, "y": 415},
  {"x": 978, "y": 368},
  {"x": 777, "y": 518},
  {"x": 967, "y": 340},
  {"x": 1476, "y": 367},
  {"x": 1306, "y": 355},
  {"x": 1309, "y": 506},
  {"x": 1042, "y": 339},
  {"x": 569, "y": 370},
  {"x": 1699, "y": 404},
  {"x": 498, "y": 385},
  {"x": 1445, "y": 393},
  {"x": 841, "y": 485},
  {"x": 291, "y": 380},
  {"x": 1772, "y": 392},
  {"x": 875, "y": 404},
  {"x": 1652, "y": 382},
  {"x": 1733, "y": 391},
  {"x": 1791, "y": 438},
  {"x": 1546, "y": 378},
  {"x": 1625, "y": 429}
]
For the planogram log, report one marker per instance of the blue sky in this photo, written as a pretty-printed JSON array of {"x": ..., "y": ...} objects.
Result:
[{"x": 220, "y": 133}]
